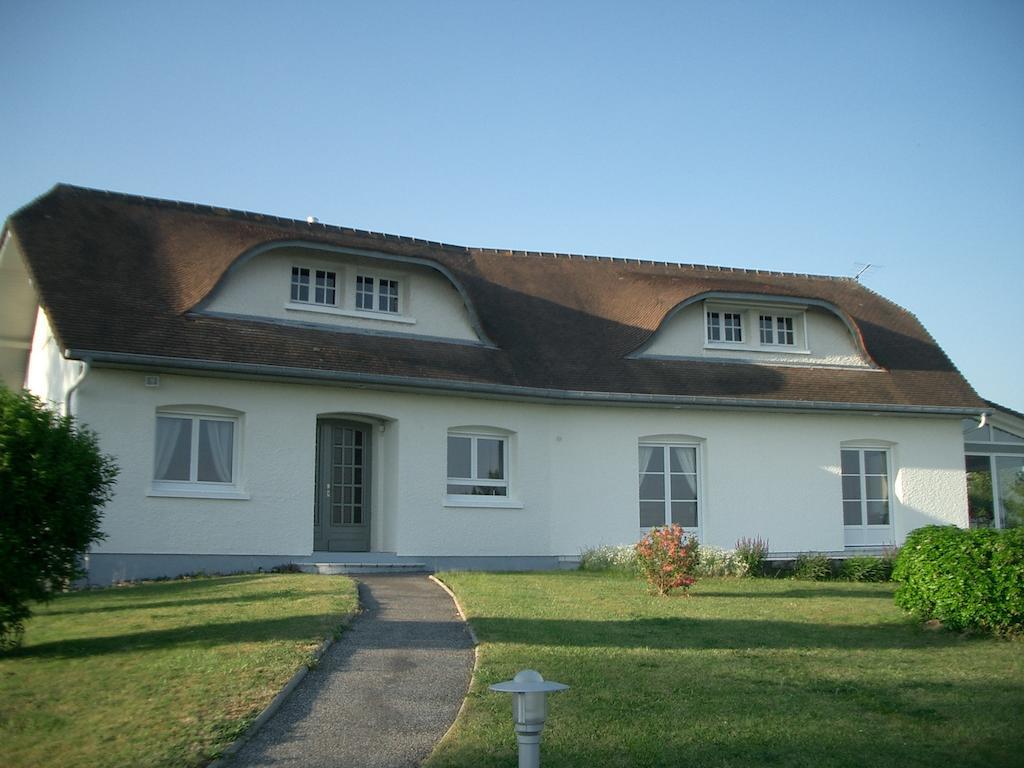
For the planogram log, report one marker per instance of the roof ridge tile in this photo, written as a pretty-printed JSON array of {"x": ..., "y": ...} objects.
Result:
[{"x": 223, "y": 211}]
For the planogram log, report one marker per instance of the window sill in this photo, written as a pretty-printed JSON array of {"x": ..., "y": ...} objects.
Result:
[
  {"x": 726, "y": 345},
  {"x": 481, "y": 502},
  {"x": 365, "y": 315},
  {"x": 197, "y": 493},
  {"x": 765, "y": 348}
]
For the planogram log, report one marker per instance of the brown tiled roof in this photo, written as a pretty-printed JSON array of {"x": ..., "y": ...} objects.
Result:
[{"x": 121, "y": 275}]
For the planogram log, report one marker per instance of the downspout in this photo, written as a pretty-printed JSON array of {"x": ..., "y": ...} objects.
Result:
[{"x": 75, "y": 385}]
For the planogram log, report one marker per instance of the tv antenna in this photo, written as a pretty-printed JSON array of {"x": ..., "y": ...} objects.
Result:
[{"x": 864, "y": 268}]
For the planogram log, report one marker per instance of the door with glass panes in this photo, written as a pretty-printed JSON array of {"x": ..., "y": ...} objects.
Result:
[{"x": 341, "y": 516}]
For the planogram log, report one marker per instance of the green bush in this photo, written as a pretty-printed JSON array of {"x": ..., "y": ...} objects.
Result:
[
  {"x": 811, "y": 566},
  {"x": 712, "y": 561},
  {"x": 608, "y": 558},
  {"x": 965, "y": 579},
  {"x": 53, "y": 483},
  {"x": 754, "y": 553},
  {"x": 866, "y": 569}
]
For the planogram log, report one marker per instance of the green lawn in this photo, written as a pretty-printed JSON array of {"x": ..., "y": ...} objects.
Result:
[
  {"x": 160, "y": 674},
  {"x": 757, "y": 672}
]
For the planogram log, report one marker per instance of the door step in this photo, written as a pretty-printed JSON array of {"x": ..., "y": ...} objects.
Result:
[{"x": 333, "y": 569}]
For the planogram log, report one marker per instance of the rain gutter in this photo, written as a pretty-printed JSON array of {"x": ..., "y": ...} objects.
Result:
[{"x": 484, "y": 389}]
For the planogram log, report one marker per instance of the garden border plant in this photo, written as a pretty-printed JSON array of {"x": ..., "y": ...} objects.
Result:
[
  {"x": 715, "y": 561},
  {"x": 866, "y": 568},
  {"x": 754, "y": 553},
  {"x": 812, "y": 566},
  {"x": 609, "y": 558}
]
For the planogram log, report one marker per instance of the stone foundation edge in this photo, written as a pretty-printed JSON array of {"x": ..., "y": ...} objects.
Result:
[{"x": 105, "y": 569}]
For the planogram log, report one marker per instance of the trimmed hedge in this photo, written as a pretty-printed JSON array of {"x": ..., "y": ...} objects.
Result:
[{"x": 965, "y": 579}]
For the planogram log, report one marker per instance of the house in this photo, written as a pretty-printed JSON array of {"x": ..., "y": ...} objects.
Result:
[{"x": 277, "y": 390}]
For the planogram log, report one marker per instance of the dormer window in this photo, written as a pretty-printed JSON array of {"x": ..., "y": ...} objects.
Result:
[
  {"x": 725, "y": 326},
  {"x": 755, "y": 328},
  {"x": 324, "y": 286},
  {"x": 377, "y": 294},
  {"x": 300, "y": 284},
  {"x": 777, "y": 330},
  {"x": 347, "y": 291}
]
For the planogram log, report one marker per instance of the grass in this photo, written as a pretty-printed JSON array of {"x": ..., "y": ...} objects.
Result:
[
  {"x": 753, "y": 672},
  {"x": 159, "y": 674}
]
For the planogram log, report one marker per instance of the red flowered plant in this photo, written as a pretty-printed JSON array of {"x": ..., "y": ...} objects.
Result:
[{"x": 666, "y": 557}]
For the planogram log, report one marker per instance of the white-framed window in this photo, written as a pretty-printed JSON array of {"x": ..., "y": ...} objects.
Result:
[
  {"x": 866, "y": 487},
  {"x": 669, "y": 485},
  {"x": 314, "y": 286},
  {"x": 377, "y": 294},
  {"x": 777, "y": 330},
  {"x": 195, "y": 452},
  {"x": 725, "y": 326},
  {"x": 994, "y": 462},
  {"x": 477, "y": 464},
  {"x": 757, "y": 328}
]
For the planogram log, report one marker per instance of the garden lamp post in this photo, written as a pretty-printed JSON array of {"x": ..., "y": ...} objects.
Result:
[{"x": 529, "y": 711}]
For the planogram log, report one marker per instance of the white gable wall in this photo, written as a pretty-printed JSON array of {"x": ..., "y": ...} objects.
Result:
[
  {"x": 573, "y": 471},
  {"x": 50, "y": 374}
]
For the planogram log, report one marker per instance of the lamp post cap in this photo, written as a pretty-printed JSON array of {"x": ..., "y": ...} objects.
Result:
[{"x": 528, "y": 681}]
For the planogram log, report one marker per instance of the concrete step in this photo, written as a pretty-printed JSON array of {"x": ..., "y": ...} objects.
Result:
[{"x": 333, "y": 569}]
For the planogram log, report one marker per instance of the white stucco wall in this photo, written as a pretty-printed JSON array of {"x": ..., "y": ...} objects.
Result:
[
  {"x": 826, "y": 341},
  {"x": 429, "y": 304},
  {"x": 573, "y": 471},
  {"x": 49, "y": 373}
]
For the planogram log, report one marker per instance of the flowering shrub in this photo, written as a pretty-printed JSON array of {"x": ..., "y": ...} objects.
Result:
[
  {"x": 608, "y": 558},
  {"x": 666, "y": 559}
]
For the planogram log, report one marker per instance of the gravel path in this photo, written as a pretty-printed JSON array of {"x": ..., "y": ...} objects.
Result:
[{"x": 384, "y": 694}]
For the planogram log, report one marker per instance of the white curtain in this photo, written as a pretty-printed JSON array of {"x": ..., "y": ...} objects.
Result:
[
  {"x": 216, "y": 439},
  {"x": 685, "y": 459},
  {"x": 646, "y": 457},
  {"x": 168, "y": 431}
]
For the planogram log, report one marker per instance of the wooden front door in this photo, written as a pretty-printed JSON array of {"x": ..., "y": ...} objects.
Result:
[{"x": 341, "y": 515}]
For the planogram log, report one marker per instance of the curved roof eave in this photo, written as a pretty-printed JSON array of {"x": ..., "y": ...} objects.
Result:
[
  {"x": 844, "y": 317},
  {"x": 270, "y": 245}
]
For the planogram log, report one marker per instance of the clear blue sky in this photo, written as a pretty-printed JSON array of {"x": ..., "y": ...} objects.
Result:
[{"x": 800, "y": 136}]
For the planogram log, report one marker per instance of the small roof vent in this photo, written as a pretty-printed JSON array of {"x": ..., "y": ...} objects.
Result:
[{"x": 312, "y": 220}]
